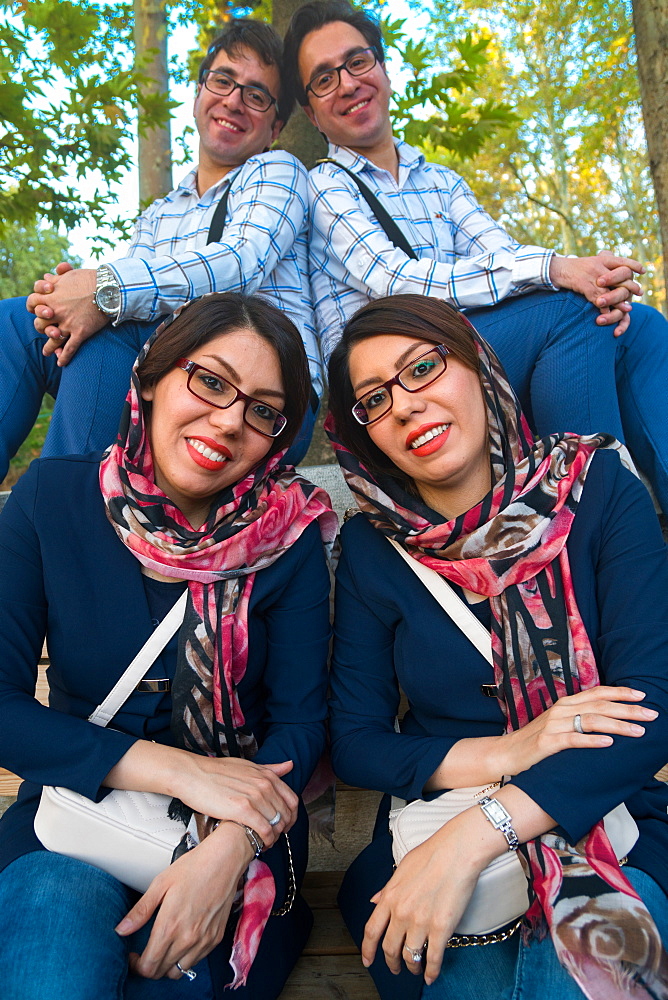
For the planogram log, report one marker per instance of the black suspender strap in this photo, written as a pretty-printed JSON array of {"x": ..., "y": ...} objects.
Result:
[
  {"x": 218, "y": 220},
  {"x": 385, "y": 220}
]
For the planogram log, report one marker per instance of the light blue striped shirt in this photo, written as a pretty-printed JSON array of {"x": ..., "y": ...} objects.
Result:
[
  {"x": 263, "y": 247},
  {"x": 465, "y": 257}
]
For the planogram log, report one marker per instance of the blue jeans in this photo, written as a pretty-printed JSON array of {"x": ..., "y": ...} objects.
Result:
[
  {"x": 89, "y": 391},
  {"x": 511, "y": 971},
  {"x": 57, "y": 938},
  {"x": 572, "y": 375}
]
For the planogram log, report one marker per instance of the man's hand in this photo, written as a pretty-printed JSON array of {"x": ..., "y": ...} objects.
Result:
[
  {"x": 64, "y": 310},
  {"x": 46, "y": 284},
  {"x": 605, "y": 280}
]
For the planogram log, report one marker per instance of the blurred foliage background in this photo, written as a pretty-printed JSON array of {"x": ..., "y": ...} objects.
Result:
[{"x": 535, "y": 102}]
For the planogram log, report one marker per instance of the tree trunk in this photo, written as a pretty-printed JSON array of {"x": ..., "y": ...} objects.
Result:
[
  {"x": 155, "y": 145},
  {"x": 650, "y": 20},
  {"x": 298, "y": 137}
]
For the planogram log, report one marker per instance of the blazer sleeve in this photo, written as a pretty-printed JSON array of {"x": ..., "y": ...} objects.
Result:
[
  {"x": 38, "y": 743},
  {"x": 295, "y": 675},
  {"x": 366, "y": 749},
  {"x": 578, "y": 787}
]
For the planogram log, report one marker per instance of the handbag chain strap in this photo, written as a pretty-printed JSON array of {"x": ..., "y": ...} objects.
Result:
[
  {"x": 152, "y": 648},
  {"x": 453, "y": 605}
]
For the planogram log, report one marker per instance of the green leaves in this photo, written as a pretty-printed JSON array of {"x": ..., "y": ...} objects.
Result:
[
  {"x": 69, "y": 95},
  {"x": 26, "y": 254},
  {"x": 447, "y": 123}
]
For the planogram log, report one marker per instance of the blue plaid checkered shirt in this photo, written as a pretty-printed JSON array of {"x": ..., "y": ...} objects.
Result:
[
  {"x": 263, "y": 247},
  {"x": 465, "y": 257}
]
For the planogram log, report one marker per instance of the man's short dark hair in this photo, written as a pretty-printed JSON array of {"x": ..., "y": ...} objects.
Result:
[
  {"x": 263, "y": 40},
  {"x": 311, "y": 17}
]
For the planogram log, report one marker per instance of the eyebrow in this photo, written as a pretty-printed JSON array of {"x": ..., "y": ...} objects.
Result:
[
  {"x": 237, "y": 378},
  {"x": 328, "y": 63},
  {"x": 398, "y": 365}
]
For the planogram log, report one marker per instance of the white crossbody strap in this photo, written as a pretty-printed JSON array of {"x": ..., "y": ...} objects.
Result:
[
  {"x": 453, "y": 605},
  {"x": 154, "y": 645}
]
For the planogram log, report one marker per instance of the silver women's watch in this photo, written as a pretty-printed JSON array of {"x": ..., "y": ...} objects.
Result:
[
  {"x": 500, "y": 819},
  {"x": 107, "y": 296}
]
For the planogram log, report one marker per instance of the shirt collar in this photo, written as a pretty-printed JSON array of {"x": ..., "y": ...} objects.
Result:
[
  {"x": 188, "y": 185},
  {"x": 408, "y": 157}
]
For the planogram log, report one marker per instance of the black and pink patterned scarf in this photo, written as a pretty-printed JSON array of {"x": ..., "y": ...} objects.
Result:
[
  {"x": 250, "y": 525},
  {"x": 512, "y": 547}
]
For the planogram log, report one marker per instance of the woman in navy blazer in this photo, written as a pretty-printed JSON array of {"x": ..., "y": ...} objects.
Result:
[
  {"x": 430, "y": 439},
  {"x": 215, "y": 430}
]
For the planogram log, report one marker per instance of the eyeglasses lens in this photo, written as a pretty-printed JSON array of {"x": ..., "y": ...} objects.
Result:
[
  {"x": 252, "y": 97},
  {"x": 359, "y": 63},
  {"x": 415, "y": 376},
  {"x": 218, "y": 392}
]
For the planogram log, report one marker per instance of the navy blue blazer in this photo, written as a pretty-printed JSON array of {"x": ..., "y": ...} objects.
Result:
[
  {"x": 65, "y": 575},
  {"x": 389, "y": 631}
]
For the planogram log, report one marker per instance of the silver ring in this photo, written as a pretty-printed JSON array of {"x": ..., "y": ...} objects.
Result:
[
  {"x": 415, "y": 953},
  {"x": 577, "y": 724},
  {"x": 275, "y": 819},
  {"x": 190, "y": 973}
]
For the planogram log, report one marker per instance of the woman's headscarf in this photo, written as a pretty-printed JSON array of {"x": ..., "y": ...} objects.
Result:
[
  {"x": 512, "y": 547},
  {"x": 250, "y": 525}
]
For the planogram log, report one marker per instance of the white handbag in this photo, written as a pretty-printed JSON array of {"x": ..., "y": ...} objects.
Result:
[
  {"x": 127, "y": 834},
  {"x": 500, "y": 895}
]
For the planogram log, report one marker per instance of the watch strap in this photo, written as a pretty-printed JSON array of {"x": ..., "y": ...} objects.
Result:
[{"x": 107, "y": 280}]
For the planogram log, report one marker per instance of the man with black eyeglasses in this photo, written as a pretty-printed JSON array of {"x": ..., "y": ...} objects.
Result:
[
  {"x": 385, "y": 221},
  {"x": 175, "y": 255}
]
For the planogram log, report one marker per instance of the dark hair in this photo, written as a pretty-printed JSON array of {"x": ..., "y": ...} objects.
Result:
[
  {"x": 263, "y": 40},
  {"x": 311, "y": 17},
  {"x": 220, "y": 313},
  {"x": 403, "y": 315}
]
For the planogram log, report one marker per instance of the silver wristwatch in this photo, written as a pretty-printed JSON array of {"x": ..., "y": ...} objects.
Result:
[
  {"x": 500, "y": 819},
  {"x": 107, "y": 296}
]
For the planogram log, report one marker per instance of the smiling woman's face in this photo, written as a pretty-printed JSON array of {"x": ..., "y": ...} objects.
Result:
[
  {"x": 199, "y": 449},
  {"x": 438, "y": 436}
]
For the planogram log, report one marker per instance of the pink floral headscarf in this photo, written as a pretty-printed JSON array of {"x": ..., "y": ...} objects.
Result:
[{"x": 250, "y": 525}]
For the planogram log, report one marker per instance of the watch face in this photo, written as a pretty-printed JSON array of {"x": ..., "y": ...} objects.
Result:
[
  {"x": 108, "y": 298},
  {"x": 496, "y": 812}
]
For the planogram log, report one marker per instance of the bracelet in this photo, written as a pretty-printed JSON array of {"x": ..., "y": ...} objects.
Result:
[
  {"x": 254, "y": 839},
  {"x": 500, "y": 819}
]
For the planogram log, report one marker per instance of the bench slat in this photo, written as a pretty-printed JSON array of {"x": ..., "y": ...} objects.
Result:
[{"x": 339, "y": 977}]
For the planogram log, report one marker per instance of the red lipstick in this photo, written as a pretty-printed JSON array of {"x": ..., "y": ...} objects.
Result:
[
  {"x": 202, "y": 460},
  {"x": 433, "y": 444}
]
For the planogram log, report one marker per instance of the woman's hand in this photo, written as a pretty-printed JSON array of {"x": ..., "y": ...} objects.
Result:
[
  {"x": 223, "y": 787},
  {"x": 485, "y": 759},
  {"x": 424, "y": 901},
  {"x": 602, "y": 710},
  {"x": 237, "y": 789},
  {"x": 193, "y": 898}
]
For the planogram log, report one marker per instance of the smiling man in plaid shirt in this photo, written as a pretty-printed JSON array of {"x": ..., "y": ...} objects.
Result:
[
  {"x": 239, "y": 111},
  {"x": 561, "y": 345}
]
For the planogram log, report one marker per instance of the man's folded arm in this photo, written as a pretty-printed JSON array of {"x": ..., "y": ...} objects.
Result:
[{"x": 266, "y": 212}]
